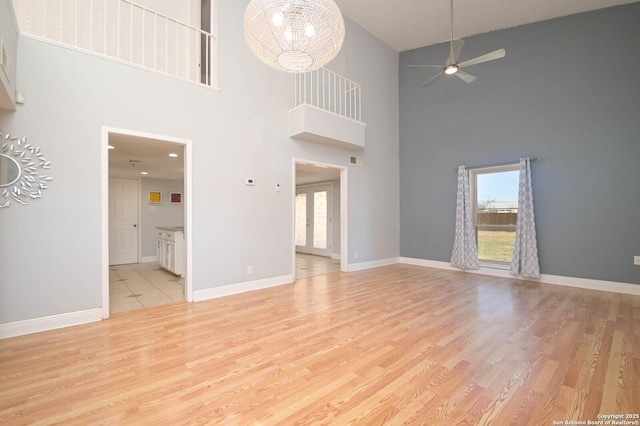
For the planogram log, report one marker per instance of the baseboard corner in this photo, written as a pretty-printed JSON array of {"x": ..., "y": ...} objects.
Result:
[{"x": 52, "y": 322}]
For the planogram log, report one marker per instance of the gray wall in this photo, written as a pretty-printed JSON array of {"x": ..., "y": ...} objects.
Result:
[
  {"x": 237, "y": 132},
  {"x": 152, "y": 215},
  {"x": 567, "y": 91}
]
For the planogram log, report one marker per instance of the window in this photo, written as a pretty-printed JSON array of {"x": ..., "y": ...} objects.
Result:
[{"x": 494, "y": 192}]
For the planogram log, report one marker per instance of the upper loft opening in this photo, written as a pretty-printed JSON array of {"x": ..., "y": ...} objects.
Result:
[{"x": 173, "y": 37}]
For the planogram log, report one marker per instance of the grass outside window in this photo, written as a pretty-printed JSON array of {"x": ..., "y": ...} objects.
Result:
[{"x": 496, "y": 246}]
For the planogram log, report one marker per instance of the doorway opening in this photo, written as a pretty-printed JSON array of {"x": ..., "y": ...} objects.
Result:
[
  {"x": 146, "y": 217},
  {"x": 320, "y": 219}
]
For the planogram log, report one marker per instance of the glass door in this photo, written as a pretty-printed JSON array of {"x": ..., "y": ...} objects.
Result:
[{"x": 313, "y": 217}]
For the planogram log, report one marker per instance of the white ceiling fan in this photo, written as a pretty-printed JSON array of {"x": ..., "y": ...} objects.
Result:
[{"x": 452, "y": 66}]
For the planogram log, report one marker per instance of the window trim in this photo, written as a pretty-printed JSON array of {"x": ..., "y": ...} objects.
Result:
[{"x": 473, "y": 178}]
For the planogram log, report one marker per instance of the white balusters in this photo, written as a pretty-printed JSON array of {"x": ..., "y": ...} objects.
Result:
[
  {"x": 329, "y": 91},
  {"x": 81, "y": 23}
]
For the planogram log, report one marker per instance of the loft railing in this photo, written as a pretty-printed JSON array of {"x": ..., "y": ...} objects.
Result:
[
  {"x": 329, "y": 91},
  {"x": 122, "y": 30}
]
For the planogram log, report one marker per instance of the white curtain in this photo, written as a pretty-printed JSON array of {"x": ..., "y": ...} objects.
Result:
[
  {"x": 525, "y": 252},
  {"x": 465, "y": 251}
]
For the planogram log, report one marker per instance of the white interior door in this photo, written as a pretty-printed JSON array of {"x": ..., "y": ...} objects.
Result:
[
  {"x": 123, "y": 221},
  {"x": 313, "y": 220}
]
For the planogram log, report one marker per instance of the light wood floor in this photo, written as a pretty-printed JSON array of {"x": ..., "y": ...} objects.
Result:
[{"x": 394, "y": 345}]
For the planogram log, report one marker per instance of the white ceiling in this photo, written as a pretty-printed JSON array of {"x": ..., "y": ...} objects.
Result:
[
  {"x": 309, "y": 173},
  {"x": 132, "y": 155},
  {"x": 409, "y": 24}
]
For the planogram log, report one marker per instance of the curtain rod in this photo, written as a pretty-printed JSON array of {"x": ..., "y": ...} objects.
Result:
[{"x": 500, "y": 164}]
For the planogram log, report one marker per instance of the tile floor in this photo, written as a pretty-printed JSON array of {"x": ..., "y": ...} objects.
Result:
[{"x": 142, "y": 285}]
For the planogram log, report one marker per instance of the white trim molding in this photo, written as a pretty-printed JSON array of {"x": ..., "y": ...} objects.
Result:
[
  {"x": 344, "y": 211},
  {"x": 352, "y": 267},
  {"x": 53, "y": 322},
  {"x": 586, "y": 283},
  {"x": 231, "y": 289},
  {"x": 188, "y": 206}
]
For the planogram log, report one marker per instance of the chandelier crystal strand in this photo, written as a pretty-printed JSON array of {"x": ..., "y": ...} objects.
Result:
[{"x": 295, "y": 35}]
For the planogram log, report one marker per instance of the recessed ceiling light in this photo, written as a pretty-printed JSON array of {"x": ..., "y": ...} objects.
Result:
[
  {"x": 111, "y": 147},
  {"x": 144, "y": 173},
  {"x": 173, "y": 155}
]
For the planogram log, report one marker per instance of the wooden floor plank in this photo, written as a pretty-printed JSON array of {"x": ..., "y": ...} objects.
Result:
[{"x": 394, "y": 345}]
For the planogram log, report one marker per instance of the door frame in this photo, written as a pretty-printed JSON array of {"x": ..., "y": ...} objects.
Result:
[
  {"x": 344, "y": 212},
  {"x": 188, "y": 207}
]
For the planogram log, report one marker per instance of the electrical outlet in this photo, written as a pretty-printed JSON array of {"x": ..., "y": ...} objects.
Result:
[
  {"x": 356, "y": 255},
  {"x": 249, "y": 269},
  {"x": 636, "y": 260}
]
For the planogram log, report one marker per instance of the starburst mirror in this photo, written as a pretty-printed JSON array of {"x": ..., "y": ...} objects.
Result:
[{"x": 21, "y": 164}]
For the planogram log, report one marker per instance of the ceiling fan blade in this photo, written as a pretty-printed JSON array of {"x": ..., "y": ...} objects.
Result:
[
  {"x": 432, "y": 79},
  {"x": 466, "y": 76},
  {"x": 454, "y": 51},
  {"x": 484, "y": 58},
  {"x": 424, "y": 66}
]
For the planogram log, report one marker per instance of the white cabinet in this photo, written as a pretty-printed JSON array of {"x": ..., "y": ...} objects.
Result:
[{"x": 170, "y": 249}]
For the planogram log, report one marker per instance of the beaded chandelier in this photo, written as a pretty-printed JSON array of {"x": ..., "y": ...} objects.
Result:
[{"x": 294, "y": 35}]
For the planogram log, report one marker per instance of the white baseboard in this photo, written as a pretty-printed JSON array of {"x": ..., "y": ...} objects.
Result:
[
  {"x": 53, "y": 322},
  {"x": 612, "y": 286},
  {"x": 335, "y": 256},
  {"x": 148, "y": 259},
  {"x": 352, "y": 267},
  {"x": 228, "y": 290}
]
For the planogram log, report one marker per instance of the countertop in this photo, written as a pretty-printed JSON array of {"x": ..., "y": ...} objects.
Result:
[{"x": 171, "y": 228}]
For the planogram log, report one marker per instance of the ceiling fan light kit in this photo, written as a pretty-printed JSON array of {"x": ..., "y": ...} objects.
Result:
[
  {"x": 294, "y": 35},
  {"x": 451, "y": 69},
  {"x": 452, "y": 66}
]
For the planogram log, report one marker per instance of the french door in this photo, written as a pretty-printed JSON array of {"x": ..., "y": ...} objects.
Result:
[{"x": 313, "y": 220}]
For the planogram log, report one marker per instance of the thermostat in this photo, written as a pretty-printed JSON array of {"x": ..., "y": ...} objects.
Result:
[{"x": 250, "y": 181}]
